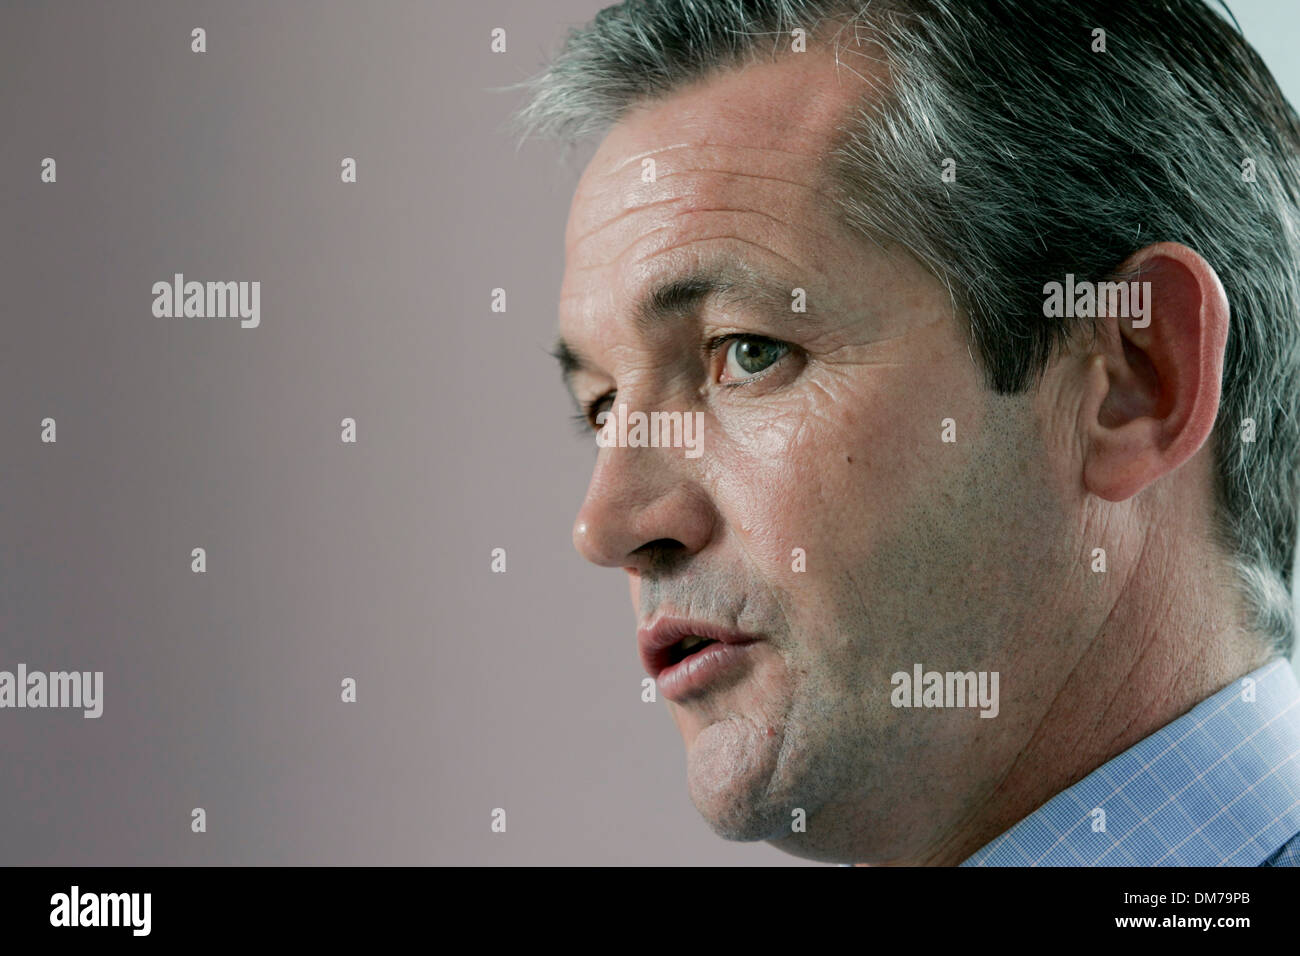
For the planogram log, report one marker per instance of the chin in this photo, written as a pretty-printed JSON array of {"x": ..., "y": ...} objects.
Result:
[
  {"x": 742, "y": 821},
  {"x": 730, "y": 768}
]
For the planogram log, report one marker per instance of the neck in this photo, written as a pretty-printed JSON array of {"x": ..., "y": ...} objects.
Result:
[{"x": 1174, "y": 636}]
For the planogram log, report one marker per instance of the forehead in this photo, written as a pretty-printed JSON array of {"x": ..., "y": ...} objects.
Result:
[
  {"x": 739, "y": 155},
  {"x": 772, "y": 118}
]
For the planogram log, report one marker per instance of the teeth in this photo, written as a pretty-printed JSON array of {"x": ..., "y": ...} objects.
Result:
[{"x": 692, "y": 641}]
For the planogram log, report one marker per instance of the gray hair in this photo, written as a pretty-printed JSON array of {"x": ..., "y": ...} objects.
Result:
[{"x": 1069, "y": 161}]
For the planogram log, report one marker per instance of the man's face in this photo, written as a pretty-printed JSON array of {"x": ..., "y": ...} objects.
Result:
[{"x": 822, "y": 432}]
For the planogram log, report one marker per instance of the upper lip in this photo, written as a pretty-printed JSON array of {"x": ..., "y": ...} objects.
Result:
[{"x": 656, "y": 641}]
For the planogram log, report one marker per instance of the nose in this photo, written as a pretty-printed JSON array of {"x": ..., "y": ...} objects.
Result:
[{"x": 642, "y": 503}]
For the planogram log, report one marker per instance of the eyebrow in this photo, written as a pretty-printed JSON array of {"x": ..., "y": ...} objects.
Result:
[{"x": 681, "y": 295}]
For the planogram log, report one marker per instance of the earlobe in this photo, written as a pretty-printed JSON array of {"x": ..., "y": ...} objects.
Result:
[{"x": 1151, "y": 391}]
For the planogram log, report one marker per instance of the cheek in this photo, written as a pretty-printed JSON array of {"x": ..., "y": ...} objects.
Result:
[{"x": 819, "y": 471}]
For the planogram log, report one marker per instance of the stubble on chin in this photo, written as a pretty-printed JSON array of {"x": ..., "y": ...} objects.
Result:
[{"x": 730, "y": 767}]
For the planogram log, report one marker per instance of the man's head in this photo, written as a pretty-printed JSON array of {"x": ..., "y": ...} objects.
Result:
[{"x": 835, "y": 247}]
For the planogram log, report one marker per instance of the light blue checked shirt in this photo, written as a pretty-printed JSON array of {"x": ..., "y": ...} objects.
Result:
[{"x": 1220, "y": 786}]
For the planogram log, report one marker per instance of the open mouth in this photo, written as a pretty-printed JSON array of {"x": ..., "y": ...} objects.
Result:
[
  {"x": 690, "y": 654},
  {"x": 688, "y": 645}
]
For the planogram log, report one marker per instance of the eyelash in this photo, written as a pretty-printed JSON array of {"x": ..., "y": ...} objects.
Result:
[{"x": 584, "y": 421}]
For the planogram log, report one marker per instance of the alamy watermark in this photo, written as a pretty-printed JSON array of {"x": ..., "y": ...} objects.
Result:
[
  {"x": 84, "y": 689},
  {"x": 1123, "y": 300},
  {"x": 76, "y": 908},
  {"x": 946, "y": 689},
  {"x": 652, "y": 430},
  {"x": 208, "y": 300}
]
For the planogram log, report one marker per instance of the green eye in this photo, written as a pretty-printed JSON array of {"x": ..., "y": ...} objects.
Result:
[{"x": 748, "y": 355}]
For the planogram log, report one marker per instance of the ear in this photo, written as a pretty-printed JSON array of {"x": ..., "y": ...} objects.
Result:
[{"x": 1152, "y": 390}]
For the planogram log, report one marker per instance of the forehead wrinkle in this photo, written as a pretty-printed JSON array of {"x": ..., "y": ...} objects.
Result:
[
  {"x": 608, "y": 188},
  {"x": 637, "y": 157},
  {"x": 821, "y": 175},
  {"x": 795, "y": 268},
  {"x": 814, "y": 228},
  {"x": 813, "y": 235},
  {"x": 627, "y": 211}
]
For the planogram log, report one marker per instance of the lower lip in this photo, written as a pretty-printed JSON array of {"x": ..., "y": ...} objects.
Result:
[{"x": 695, "y": 674}]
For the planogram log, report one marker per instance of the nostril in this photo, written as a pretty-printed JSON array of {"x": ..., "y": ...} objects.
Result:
[
  {"x": 663, "y": 555},
  {"x": 660, "y": 544}
]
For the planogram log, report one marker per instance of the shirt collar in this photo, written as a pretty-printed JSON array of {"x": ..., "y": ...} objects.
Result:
[{"x": 1218, "y": 786}]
